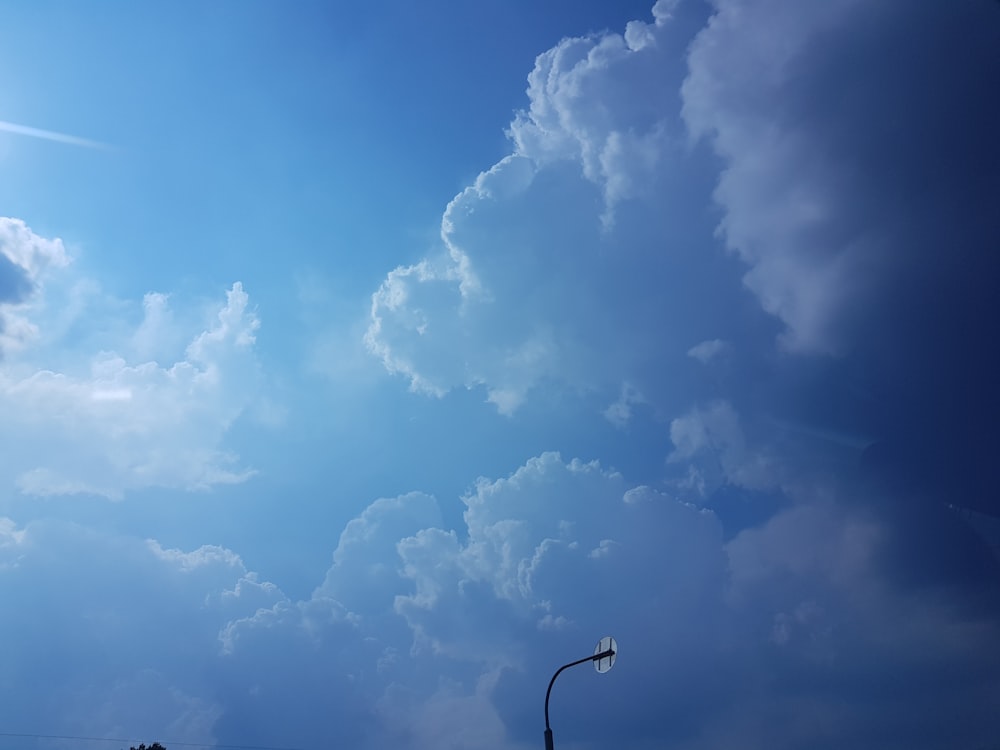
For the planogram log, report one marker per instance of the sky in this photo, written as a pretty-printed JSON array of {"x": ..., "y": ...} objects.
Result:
[{"x": 361, "y": 364}]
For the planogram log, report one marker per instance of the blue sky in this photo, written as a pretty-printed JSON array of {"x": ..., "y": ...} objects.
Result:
[{"x": 360, "y": 365}]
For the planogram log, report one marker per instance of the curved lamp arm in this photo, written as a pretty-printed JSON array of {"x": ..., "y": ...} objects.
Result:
[{"x": 596, "y": 657}]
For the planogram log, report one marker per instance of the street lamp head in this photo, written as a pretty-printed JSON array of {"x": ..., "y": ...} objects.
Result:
[{"x": 605, "y": 654}]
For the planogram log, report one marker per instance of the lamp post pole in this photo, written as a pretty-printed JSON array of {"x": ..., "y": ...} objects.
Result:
[{"x": 603, "y": 658}]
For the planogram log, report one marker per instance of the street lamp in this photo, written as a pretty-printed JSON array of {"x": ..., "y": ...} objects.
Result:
[{"x": 604, "y": 658}]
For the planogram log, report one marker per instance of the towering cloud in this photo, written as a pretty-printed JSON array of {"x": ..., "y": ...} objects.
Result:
[{"x": 585, "y": 257}]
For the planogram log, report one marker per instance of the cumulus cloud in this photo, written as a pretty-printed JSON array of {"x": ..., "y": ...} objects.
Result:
[
  {"x": 619, "y": 148},
  {"x": 366, "y": 573},
  {"x": 575, "y": 259},
  {"x": 528, "y": 534},
  {"x": 133, "y": 424},
  {"x": 708, "y": 350},
  {"x": 856, "y": 220},
  {"x": 24, "y": 259}
]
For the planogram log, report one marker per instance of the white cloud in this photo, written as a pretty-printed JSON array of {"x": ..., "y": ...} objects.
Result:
[
  {"x": 28, "y": 251},
  {"x": 11, "y": 544},
  {"x": 575, "y": 260},
  {"x": 708, "y": 350},
  {"x": 200, "y": 558},
  {"x": 642, "y": 494},
  {"x": 424, "y": 317},
  {"x": 24, "y": 259},
  {"x": 620, "y": 412},
  {"x": 711, "y": 440},
  {"x": 620, "y": 143},
  {"x": 158, "y": 336},
  {"x": 128, "y": 425},
  {"x": 367, "y": 573},
  {"x": 527, "y": 535}
]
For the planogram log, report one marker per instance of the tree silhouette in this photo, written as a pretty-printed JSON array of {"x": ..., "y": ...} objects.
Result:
[{"x": 154, "y": 746}]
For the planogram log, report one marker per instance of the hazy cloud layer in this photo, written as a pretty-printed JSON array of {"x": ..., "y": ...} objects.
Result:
[{"x": 451, "y": 637}]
